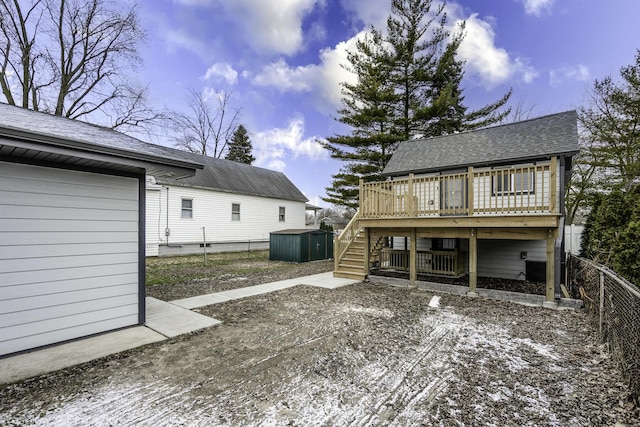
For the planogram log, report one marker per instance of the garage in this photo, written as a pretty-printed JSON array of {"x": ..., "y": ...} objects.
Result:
[{"x": 71, "y": 229}]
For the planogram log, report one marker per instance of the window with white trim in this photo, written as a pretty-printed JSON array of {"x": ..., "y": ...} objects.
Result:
[
  {"x": 187, "y": 208},
  {"x": 235, "y": 211},
  {"x": 281, "y": 214},
  {"x": 513, "y": 182}
]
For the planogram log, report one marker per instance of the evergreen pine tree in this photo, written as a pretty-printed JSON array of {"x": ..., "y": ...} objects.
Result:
[
  {"x": 368, "y": 108},
  {"x": 408, "y": 85},
  {"x": 240, "y": 147}
]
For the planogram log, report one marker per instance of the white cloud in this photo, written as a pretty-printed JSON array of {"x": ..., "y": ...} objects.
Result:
[
  {"x": 222, "y": 70},
  {"x": 578, "y": 72},
  {"x": 194, "y": 2},
  {"x": 485, "y": 61},
  {"x": 369, "y": 12},
  {"x": 178, "y": 38},
  {"x": 271, "y": 26},
  {"x": 279, "y": 75},
  {"x": 271, "y": 146},
  {"x": 322, "y": 79},
  {"x": 535, "y": 7}
]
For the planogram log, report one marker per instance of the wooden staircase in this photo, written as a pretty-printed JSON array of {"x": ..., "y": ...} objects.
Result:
[
  {"x": 349, "y": 252},
  {"x": 351, "y": 264}
]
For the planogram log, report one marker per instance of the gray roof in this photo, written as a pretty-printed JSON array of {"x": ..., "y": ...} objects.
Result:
[
  {"x": 43, "y": 137},
  {"x": 232, "y": 177},
  {"x": 534, "y": 139},
  {"x": 300, "y": 231}
]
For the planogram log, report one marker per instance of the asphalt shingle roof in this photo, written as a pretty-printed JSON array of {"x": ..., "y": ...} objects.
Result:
[
  {"x": 225, "y": 175},
  {"x": 75, "y": 134},
  {"x": 538, "y": 138}
]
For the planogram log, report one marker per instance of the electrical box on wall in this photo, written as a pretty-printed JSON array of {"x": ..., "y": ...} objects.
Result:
[
  {"x": 167, "y": 232},
  {"x": 523, "y": 255}
]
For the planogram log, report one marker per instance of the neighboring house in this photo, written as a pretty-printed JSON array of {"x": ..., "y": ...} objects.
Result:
[
  {"x": 488, "y": 202},
  {"x": 72, "y": 227},
  {"x": 227, "y": 206}
]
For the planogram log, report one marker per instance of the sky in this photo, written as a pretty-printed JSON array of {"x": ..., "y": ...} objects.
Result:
[{"x": 281, "y": 62}]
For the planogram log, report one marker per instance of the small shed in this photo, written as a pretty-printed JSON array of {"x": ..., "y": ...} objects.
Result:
[{"x": 300, "y": 245}]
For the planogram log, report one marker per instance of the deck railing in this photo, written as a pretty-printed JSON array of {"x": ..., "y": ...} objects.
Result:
[
  {"x": 445, "y": 263},
  {"x": 516, "y": 190}
]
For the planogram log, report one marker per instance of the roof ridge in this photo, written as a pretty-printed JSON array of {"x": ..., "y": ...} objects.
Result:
[{"x": 546, "y": 116}]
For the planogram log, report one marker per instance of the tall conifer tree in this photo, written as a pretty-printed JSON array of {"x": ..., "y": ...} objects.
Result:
[{"x": 408, "y": 86}]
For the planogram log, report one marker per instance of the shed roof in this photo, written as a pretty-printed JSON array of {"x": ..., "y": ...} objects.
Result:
[
  {"x": 538, "y": 138},
  {"x": 300, "y": 231},
  {"x": 43, "y": 137},
  {"x": 233, "y": 177}
]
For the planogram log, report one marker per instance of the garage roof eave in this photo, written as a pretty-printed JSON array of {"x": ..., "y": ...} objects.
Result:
[{"x": 34, "y": 147}]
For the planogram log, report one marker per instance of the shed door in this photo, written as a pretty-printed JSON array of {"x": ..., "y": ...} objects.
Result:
[
  {"x": 318, "y": 246},
  {"x": 68, "y": 255}
]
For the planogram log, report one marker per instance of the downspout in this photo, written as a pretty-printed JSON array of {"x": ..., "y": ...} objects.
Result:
[{"x": 559, "y": 255}]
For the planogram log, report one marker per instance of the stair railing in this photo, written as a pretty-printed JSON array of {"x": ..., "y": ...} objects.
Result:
[{"x": 347, "y": 237}]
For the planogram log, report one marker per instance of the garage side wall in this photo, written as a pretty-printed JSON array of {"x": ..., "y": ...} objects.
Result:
[{"x": 68, "y": 255}]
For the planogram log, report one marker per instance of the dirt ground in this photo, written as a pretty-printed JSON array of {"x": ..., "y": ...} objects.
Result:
[{"x": 359, "y": 355}]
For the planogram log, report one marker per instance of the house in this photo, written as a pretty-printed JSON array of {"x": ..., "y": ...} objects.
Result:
[
  {"x": 488, "y": 202},
  {"x": 72, "y": 227},
  {"x": 226, "y": 206}
]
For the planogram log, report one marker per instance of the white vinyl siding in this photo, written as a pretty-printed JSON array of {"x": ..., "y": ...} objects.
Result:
[
  {"x": 523, "y": 189},
  {"x": 68, "y": 255},
  {"x": 258, "y": 216},
  {"x": 154, "y": 229},
  {"x": 501, "y": 258}
]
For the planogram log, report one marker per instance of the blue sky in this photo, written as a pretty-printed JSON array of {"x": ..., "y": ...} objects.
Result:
[{"x": 281, "y": 59}]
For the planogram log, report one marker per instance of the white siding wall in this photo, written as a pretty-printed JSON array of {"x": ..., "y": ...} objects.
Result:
[
  {"x": 573, "y": 238},
  {"x": 501, "y": 258},
  {"x": 68, "y": 255},
  {"x": 483, "y": 196},
  {"x": 259, "y": 216},
  {"x": 422, "y": 244},
  {"x": 154, "y": 230}
]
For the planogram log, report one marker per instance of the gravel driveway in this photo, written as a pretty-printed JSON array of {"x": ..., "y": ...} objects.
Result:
[{"x": 360, "y": 355}]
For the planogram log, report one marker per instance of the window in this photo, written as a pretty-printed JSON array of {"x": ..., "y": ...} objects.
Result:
[
  {"x": 511, "y": 182},
  {"x": 281, "y": 215},
  {"x": 443, "y": 244},
  {"x": 187, "y": 208},
  {"x": 235, "y": 212}
]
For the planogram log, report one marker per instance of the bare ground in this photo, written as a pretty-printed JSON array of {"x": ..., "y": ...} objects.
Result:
[{"x": 360, "y": 355}]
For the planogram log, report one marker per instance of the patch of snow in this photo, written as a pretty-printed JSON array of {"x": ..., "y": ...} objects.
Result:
[
  {"x": 435, "y": 302},
  {"x": 384, "y": 312}
]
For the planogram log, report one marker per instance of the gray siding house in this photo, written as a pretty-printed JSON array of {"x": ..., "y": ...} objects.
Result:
[
  {"x": 226, "y": 206},
  {"x": 488, "y": 202},
  {"x": 72, "y": 227}
]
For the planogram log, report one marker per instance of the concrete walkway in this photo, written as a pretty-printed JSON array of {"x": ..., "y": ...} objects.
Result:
[
  {"x": 164, "y": 320},
  {"x": 322, "y": 280}
]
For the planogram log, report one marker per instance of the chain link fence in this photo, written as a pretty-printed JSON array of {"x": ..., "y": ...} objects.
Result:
[{"x": 614, "y": 304}]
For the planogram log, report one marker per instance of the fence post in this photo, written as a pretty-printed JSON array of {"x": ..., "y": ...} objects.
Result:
[
  {"x": 601, "y": 308},
  {"x": 204, "y": 245}
]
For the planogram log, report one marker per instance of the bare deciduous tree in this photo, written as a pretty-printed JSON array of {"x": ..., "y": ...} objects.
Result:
[
  {"x": 208, "y": 126},
  {"x": 521, "y": 110},
  {"x": 71, "y": 58}
]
